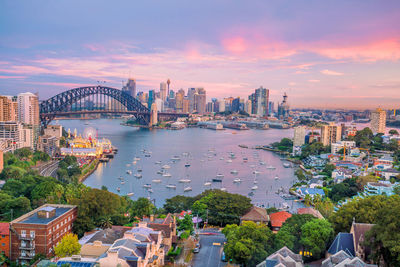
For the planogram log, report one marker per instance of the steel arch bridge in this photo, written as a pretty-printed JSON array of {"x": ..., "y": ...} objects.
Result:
[{"x": 70, "y": 102}]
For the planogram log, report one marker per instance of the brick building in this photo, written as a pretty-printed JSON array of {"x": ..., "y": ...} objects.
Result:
[
  {"x": 40, "y": 230},
  {"x": 5, "y": 239}
]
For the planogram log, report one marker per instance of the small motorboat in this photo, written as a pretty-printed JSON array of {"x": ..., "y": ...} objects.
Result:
[
  {"x": 207, "y": 184},
  {"x": 147, "y": 155},
  {"x": 222, "y": 158},
  {"x": 136, "y": 158},
  {"x": 130, "y": 194},
  {"x": 184, "y": 180},
  {"x": 166, "y": 174},
  {"x": 219, "y": 175},
  {"x": 128, "y": 171},
  {"x": 237, "y": 180},
  {"x": 252, "y": 166},
  {"x": 157, "y": 181},
  {"x": 128, "y": 165},
  {"x": 122, "y": 182},
  {"x": 270, "y": 167},
  {"x": 147, "y": 185},
  {"x": 166, "y": 167},
  {"x": 262, "y": 163},
  {"x": 245, "y": 159},
  {"x": 234, "y": 172},
  {"x": 229, "y": 161},
  {"x": 255, "y": 182},
  {"x": 175, "y": 158},
  {"x": 160, "y": 172},
  {"x": 187, "y": 189},
  {"x": 150, "y": 190},
  {"x": 276, "y": 177},
  {"x": 285, "y": 206},
  {"x": 138, "y": 175},
  {"x": 254, "y": 187},
  {"x": 187, "y": 165},
  {"x": 158, "y": 162},
  {"x": 251, "y": 194},
  {"x": 171, "y": 186},
  {"x": 287, "y": 165},
  {"x": 139, "y": 170}
]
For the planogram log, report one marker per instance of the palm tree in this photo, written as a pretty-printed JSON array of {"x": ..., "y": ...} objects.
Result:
[
  {"x": 307, "y": 200},
  {"x": 106, "y": 222}
]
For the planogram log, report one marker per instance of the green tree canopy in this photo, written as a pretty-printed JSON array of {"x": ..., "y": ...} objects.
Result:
[
  {"x": 249, "y": 243},
  {"x": 315, "y": 236}
]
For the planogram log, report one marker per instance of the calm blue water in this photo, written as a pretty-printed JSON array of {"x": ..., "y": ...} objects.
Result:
[{"x": 205, "y": 148}]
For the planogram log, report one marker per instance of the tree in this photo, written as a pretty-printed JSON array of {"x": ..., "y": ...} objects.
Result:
[
  {"x": 68, "y": 246},
  {"x": 384, "y": 237},
  {"x": 362, "y": 181},
  {"x": 178, "y": 203},
  {"x": 249, "y": 243},
  {"x": 363, "y": 138},
  {"x": 343, "y": 190},
  {"x": 328, "y": 169},
  {"x": 325, "y": 207},
  {"x": 307, "y": 200},
  {"x": 106, "y": 222},
  {"x": 393, "y": 132},
  {"x": 142, "y": 207},
  {"x": 290, "y": 233},
  {"x": 186, "y": 224},
  {"x": 315, "y": 236}
]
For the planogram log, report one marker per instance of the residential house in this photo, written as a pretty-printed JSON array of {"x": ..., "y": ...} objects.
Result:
[
  {"x": 312, "y": 192},
  {"x": 359, "y": 231},
  {"x": 141, "y": 246},
  {"x": 343, "y": 241},
  {"x": 379, "y": 188},
  {"x": 257, "y": 215},
  {"x": 388, "y": 173},
  {"x": 278, "y": 218},
  {"x": 282, "y": 258},
  {"x": 166, "y": 225},
  {"x": 341, "y": 174},
  {"x": 385, "y": 162},
  {"x": 5, "y": 238},
  {"x": 310, "y": 211},
  {"x": 343, "y": 259}
]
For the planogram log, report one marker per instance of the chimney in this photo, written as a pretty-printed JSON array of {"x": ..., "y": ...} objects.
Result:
[{"x": 152, "y": 218}]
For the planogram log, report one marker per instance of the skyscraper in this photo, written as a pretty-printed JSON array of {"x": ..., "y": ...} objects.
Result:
[
  {"x": 152, "y": 97},
  {"x": 299, "y": 136},
  {"x": 190, "y": 96},
  {"x": 378, "y": 121},
  {"x": 259, "y": 102},
  {"x": 330, "y": 134},
  {"x": 8, "y": 109},
  {"x": 200, "y": 100},
  {"x": 163, "y": 91},
  {"x": 130, "y": 87},
  {"x": 247, "y": 107},
  {"x": 283, "y": 108},
  {"x": 28, "y": 108},
  {"x": 179, "y": 100}
]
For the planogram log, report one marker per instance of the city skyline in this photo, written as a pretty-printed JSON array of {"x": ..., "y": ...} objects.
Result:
[{"x": 346, "y": 51}]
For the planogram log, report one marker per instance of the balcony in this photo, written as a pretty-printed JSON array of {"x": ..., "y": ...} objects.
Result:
[
  {"x": 26, "y": 256},
  {"x": 27, "y": 247},
  {"x": 27, "y": 237}
]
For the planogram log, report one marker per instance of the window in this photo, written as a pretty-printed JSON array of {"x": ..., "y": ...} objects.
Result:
[
  {"x": 50, "y": 231},
  {"x": 32, "y": 233},
  {"x": 65, "y": 221},
  {"x": 23, "y": 233},
  {"x": 57, "y": 225},
  {"x": 69, "y": 227}
]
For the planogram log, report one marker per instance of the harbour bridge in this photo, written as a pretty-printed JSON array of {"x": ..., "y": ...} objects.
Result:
[{"x": 98, "y": 100}]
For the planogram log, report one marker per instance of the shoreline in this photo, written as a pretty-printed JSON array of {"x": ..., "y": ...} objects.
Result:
[{"x": 83, "y": 177}]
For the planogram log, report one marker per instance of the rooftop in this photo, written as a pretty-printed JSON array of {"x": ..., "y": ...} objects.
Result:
[
  {"x": 310, "y": 211},
  {"x": 256, "y": 214},
  {"x": 278, "y": 218},
  {"x": 33, "y": 218},
  {"x": 4, "y": 228},
  {"x": 343, "y": 241}
]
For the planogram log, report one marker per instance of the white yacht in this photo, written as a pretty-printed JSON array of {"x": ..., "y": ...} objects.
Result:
[
  {"x": 184, "y": 180},
  {"x": 136, "y": 158},
  {"x": 255, "y": 187},
  {"x": 276, "y": 177},
  {"x": 130, "y": 194},
  {"x": 166, "y": 167},
  {"x": 187, "y": 189},
  {"x": 223, "y": 189},
  {"x": 166, "y": 174},
  {"x": 160, "y": 172},
  {"x": 147, "y": 185},
  {"x": 234, "y": 172},
  {"x": 207, "y": 184},
  {"x": 287, "y": 165},
  {"x": 262, "y": 163},
  {"x": 219, "y": 175},
  {"x": 138, "y": 175},
  {"x": 157, "y": 181},
  {"x": 150, "y": 190},
  {"x": 237, "y": 180},
  {"x": 172, "y": 186},
  {"x": 128, "y": 171},
  {"x": 158, "y": 162}
]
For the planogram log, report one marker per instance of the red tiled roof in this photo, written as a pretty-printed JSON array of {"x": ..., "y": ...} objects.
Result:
[
  {"x": 310, "y": 211},
  {"x": 4, "y": 229},
  {"x": 278, "y": 218}
]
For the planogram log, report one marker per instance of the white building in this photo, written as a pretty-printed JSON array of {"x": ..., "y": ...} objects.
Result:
[
  {"x": 28, "y": 108},
  {"x": 299, "y": 136},
  {"x": 10, "y": 135}
]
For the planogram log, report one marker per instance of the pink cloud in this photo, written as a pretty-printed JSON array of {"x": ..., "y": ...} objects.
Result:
[
  {"x": 11, "y": 77},
  {"x": 331, "y": 72}
]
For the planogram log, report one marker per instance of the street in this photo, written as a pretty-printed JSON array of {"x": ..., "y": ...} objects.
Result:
[{"x": 210, "y": 253}]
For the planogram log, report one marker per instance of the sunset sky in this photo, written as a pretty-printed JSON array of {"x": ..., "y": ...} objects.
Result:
[{"x": 333, "y": 54}]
